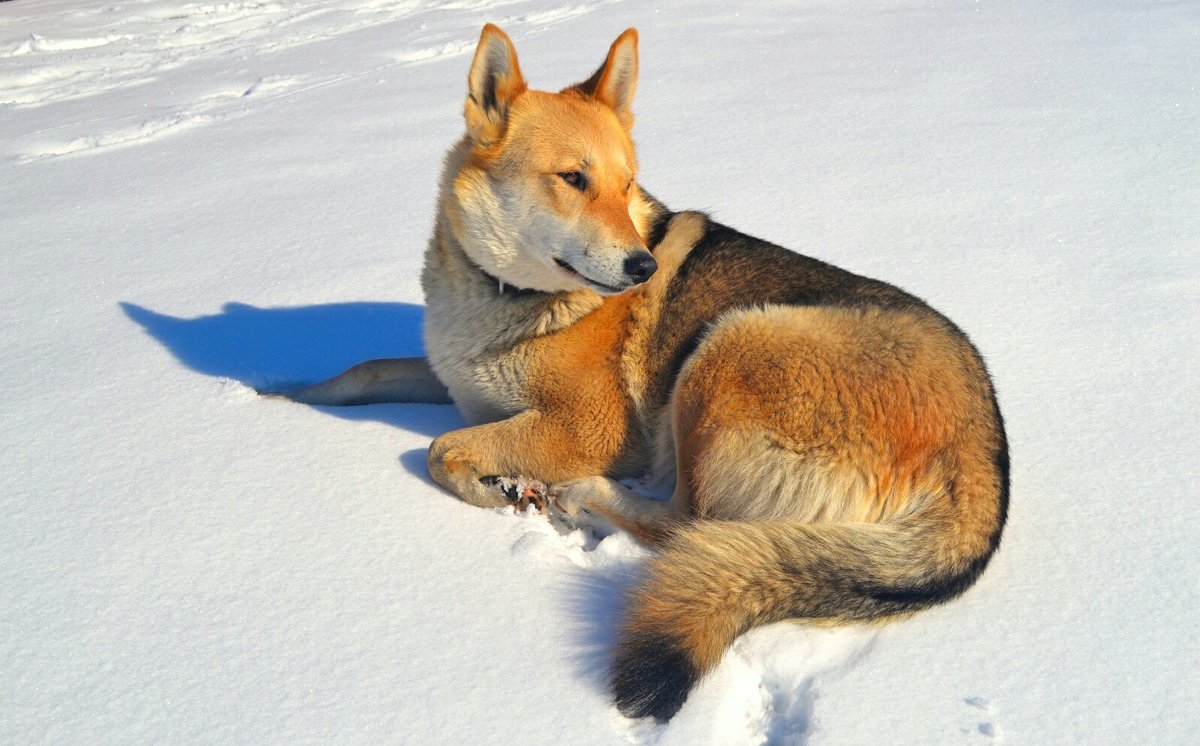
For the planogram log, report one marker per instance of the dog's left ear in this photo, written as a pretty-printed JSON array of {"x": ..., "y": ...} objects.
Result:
[
  {"x": 494, "y": 82},
  {"x": 616, "y": 80}
]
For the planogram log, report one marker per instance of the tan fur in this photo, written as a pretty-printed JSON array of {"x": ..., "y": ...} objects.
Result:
[
  {"x": 832, "y": 461},
  {"x": 638, "y": 354}
]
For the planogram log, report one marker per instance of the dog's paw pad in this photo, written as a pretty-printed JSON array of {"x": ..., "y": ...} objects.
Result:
[{"x": 519, "y": 491}]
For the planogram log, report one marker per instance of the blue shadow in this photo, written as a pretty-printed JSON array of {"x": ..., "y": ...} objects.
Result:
[
  {"x": 271, "y": 348},
  {"x": 278, "y": 347}
]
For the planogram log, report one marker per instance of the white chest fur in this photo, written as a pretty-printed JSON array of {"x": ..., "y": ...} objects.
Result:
[{"x": 484, "y": 380}]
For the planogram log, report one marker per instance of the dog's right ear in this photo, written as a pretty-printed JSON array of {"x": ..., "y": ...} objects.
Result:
[{"x": 494, "y": 81}]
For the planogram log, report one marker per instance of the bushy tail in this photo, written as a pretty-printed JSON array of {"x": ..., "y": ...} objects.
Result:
[{"x": 716, "y": 580}]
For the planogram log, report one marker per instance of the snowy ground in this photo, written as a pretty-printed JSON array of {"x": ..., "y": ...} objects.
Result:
[{"x": 196, "y": 198}]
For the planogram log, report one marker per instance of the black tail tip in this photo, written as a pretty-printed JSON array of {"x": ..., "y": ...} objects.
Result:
[{"x": 651, "y": 676}]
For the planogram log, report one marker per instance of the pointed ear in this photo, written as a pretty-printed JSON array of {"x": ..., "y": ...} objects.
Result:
[
  {"x": 494, "y": 81},
  {"x": 616, "y": 80}
]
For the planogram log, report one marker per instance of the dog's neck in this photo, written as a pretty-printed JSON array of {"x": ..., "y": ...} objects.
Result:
[
  {"x": 500, "y": 311},
  {"x": 503, "y": 288},
  {"x": 459, "y": 287}
]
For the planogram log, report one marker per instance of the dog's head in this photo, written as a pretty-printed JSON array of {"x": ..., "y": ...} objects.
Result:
[{"x": 544, "y": 194}]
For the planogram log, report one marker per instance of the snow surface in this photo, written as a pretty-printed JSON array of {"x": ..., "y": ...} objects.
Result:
[{"x": 201, "y": 197}]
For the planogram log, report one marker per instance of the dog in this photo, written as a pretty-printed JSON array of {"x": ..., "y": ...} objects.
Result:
[{"x": 835, "y": 445}]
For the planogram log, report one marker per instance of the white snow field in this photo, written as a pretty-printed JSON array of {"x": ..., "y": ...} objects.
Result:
[{"x": 197, "y": 198}]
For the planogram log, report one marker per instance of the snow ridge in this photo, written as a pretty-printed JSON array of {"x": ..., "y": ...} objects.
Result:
[{"x": 136, "y": 45}]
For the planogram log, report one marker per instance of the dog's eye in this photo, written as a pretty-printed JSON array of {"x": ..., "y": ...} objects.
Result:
[{"x": 575, "y": 179}]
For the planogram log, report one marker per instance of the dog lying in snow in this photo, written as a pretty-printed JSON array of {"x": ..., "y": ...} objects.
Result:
[{"x": 835, "y": 444}]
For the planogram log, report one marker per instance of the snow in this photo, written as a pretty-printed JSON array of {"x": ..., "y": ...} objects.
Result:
[{"x": 198, "y": 198}]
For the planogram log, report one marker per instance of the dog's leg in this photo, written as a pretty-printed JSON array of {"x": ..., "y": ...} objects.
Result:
[
  {"x": 529, "y": 445},
  {"x": 393, "y": 380}
]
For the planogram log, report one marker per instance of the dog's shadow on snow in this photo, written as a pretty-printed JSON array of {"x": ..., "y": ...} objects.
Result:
[
  {"x": 595, "y": 603},
  {"x": 269, "y": 348}
]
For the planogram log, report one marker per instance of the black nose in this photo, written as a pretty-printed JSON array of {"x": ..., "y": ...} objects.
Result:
[{"x": 640, "y": 266}]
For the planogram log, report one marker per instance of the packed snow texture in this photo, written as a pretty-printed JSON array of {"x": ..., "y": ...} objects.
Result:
[{"x": 199, "y": 198}]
